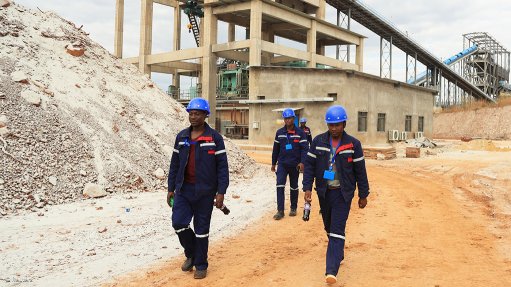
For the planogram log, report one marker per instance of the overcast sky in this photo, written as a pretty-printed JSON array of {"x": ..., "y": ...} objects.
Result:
[{"x": 436, "y": 25}]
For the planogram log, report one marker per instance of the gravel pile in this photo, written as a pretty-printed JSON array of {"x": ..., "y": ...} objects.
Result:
[{"x": 75, "y": 119}]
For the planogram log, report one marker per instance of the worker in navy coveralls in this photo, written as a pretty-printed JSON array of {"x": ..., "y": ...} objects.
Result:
[
  {"x": 336, "y": 161},
  {"x": 198, "y": 180},
  {"x": 289, "y": 151},
  {"x": 306, "y": 129}
]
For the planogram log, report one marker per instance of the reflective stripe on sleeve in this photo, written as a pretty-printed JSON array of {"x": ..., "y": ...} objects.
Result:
[
  {"x": 323, "y": 148},
  {"x": 358, "y": 159}
]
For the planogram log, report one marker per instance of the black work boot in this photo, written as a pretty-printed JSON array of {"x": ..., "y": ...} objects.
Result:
[
  {"x": 187, "y": 265},
  {"x": 292, "y": 212},
  {"x": 279, "y": 215},
  {"x": 200, "y": 274}
]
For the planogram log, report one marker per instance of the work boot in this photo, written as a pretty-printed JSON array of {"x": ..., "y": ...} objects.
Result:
[
  {"x": 330, "y": 279},
  {"x": 187, "y": 265},
  {"x": 200, "y": 274},
  {"x": 292, "y": 212},
  {"x": 279, "y": 215}
]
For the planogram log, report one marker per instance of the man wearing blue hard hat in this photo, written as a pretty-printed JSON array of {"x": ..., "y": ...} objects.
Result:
[
  {"x": 306, "y": 129},
  {"x": 289, "y": 152},
  {"x": 335, "y": 161},
  {"x": 198, "y": 180}
]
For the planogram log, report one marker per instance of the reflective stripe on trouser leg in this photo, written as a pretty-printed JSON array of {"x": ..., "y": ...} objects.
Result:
[
  {"x": 182, "y": 214},
  {"x": 293, "y": 182},
  {"x": 338, "y": 211},
  {"x": 203, "y": 208},
  {"x": 281, "y": 184}
]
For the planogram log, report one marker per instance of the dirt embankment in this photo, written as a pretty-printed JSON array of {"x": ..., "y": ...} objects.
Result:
[{"x": 487, "y": 123}]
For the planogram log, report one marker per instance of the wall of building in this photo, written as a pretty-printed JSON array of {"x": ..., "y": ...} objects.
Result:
[{"x": 357, "y": 92}]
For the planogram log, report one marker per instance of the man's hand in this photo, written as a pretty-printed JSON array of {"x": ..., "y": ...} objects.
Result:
[
  {"x": 362, "y": 202},
  {"x": 169, "y": 196},
  {"x": 273, "y": 168},
  {"x": 300, "y": 167},
  {"x": 219, "y": 200},
  {"x": 307, "y": 196}
]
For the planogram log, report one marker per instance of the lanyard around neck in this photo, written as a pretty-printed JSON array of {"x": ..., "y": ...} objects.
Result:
[{"x": 333, "y": 152}]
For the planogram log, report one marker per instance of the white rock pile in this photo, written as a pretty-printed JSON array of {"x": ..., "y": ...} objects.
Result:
[{"x": 74, "y": 123}]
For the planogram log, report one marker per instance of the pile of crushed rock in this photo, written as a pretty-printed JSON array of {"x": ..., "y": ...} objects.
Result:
[{"x": 76, "y": 120}]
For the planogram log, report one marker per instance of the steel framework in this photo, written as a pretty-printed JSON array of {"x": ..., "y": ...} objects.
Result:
[{"x": 489, "y": 65}]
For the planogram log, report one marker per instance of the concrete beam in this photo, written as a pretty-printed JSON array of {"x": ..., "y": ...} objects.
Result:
[
  {"x": 335, "y": 63},
  {"x": 179, "y": 55},
  {"x": 284, "y": 51},
  {"x": 132, "y": 60},
  {"x": 171, "y": 3},
  {"x": 162, "y": 70},
  {"x": 334, "y": 32},
  {"x": 230, "y": 46},
  {"x": 233, "y": 55},
  {"x": 231, "y": 18},
  {"x": 233, "y": 7},
  {"x": 284, "y": 26},
  {"x": 184, "y": 66},
  {"x": 282, "y": 59},
  {"x": 286, "y": 15}
]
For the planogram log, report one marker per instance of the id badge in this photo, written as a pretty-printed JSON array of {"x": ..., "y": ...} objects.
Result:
[
  {"x": 329, "y": 175},
  {"x": 289, "y": 146}
]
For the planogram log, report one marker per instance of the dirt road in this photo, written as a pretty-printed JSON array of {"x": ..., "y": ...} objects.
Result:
[{"x": 439, "y": 221}]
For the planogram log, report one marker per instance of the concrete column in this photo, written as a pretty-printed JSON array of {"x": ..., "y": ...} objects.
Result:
[
  {"x": 360, "y": 56},
  {"x": 177, "y": 28},
  {"x": 231, "y": 32},
  {"x": 119, "y": 27},
  {"x": 321, "y": 10},
  {"x": 209, "y": 76},
  {"x": 311, "y": 44},
  {"x": 146, "y": 31},
  {"x": 267, "y": 34},
  {"x": 256, "y": 20},
  {"x": 177, "y": 42}
]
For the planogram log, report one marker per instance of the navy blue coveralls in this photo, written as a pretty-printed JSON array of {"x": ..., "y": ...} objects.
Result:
[
  {"x": 308, "y": 133},
  {"x": 196, "y": 200},
  {"x": 335, "y": 203},
  {"x": 287, "y": 160}
]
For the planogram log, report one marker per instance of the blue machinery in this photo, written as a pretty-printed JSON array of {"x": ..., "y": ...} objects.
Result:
[{"x": 421, "y": 78}]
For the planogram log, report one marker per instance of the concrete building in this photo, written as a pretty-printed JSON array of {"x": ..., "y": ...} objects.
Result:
[
  {"x": 374, "y": 105},
  {"x": 272, "y": 87}
]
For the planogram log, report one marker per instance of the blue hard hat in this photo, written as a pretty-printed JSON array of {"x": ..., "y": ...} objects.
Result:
[
  {"x": 303, "y": 120},
  {"x": 335, "y": 114},
  {"x": 198, "y": 104},
  {"x": 288, "y": 113}
]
